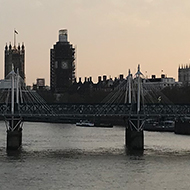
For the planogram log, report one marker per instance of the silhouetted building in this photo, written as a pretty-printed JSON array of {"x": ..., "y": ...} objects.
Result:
[
  {"x": 15, "y": 57},
  {"x": 62, "y": 64},
  {"x": 184, "y": 74},
  {"x": 159, "y": 83}
]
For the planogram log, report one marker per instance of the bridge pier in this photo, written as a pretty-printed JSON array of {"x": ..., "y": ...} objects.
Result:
[
  {"x": 14, "y": 139},
  {"x": 134, "y": 135},
  {"x": 14, "y": 134}
]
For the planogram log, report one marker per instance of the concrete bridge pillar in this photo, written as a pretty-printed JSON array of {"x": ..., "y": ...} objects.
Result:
[
  {"x": 134, "y": 136},
  {"x": 14, "y": 135}
]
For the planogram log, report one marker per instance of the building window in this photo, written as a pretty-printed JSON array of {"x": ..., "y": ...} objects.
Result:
[{"x": 56, "y": 65}]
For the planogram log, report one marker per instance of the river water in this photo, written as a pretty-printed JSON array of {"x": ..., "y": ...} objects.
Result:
[{"x": 63, "y": 156}]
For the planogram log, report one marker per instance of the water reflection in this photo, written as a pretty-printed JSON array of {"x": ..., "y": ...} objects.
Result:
[
  {"x": 14, "y": 154},
  {"x": 136, "y": 153},
  {"x": 57, "y": 156}
]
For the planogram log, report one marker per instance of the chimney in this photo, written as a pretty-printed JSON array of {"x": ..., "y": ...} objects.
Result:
[
  {"x": 104, "y": 78},
  {"x": 121, "y": 77},
  {"x": 99, "y": 79}
]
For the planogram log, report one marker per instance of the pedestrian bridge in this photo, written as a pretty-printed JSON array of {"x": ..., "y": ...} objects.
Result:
[
  {"x": 140, "y": 103},
  {"x": 96, "y": 110}
]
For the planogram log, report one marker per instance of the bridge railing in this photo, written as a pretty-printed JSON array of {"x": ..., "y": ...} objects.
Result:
[{"x": 98, "y": 109}]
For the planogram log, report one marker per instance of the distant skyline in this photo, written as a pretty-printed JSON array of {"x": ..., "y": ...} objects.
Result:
[{"x": 111, "y": 36}]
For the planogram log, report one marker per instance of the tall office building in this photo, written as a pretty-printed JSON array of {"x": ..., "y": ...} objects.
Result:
[
  {"x": 62, "y": 64},
  {"x": 15, "y": 57}
]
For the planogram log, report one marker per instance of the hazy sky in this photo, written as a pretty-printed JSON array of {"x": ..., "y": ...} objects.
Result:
[{"x": 111, "y": 36}]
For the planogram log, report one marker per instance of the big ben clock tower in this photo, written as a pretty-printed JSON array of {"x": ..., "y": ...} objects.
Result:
[{"x": 62, "y": 64}]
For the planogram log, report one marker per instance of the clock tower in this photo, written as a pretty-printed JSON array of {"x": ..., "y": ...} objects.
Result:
[{"x": 62, "y": 64}]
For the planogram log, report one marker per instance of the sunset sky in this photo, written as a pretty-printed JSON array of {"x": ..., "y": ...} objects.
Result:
[{"x": 111, "y": 36}]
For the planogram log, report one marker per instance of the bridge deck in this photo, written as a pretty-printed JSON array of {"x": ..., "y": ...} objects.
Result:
[{"x": 96, "y": 110}]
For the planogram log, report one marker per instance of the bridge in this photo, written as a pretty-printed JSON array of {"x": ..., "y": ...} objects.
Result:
[
  {"x": 18, "y": 104},
  {"x": 95, "y": 110}
]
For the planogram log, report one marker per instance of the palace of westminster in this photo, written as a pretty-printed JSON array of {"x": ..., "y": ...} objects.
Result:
[{"x": 62, "y": 70}]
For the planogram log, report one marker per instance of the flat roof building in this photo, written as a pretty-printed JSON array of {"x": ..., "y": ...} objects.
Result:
[{"x": 160, "y": 82}]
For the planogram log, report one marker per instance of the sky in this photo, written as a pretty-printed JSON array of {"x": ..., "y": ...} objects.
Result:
[{"x": 110, "y": 36}]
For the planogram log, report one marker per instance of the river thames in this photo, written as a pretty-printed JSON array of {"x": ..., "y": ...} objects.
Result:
[{"x": 63, "y": 156}]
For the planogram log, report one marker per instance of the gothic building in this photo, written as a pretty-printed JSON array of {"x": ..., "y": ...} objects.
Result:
[
  {"x": 184, "y": 74},
  {"x": 15, "y": 58},
  {"x": 62, "y": 64}
]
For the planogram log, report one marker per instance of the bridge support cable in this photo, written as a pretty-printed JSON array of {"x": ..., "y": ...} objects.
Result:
[
  {"x": 4, "y": 98},
  {"x": 124, "y": 93},
  {"x": 32, "y": 99},
  {"x": 114, "y": 98},
  {"x": 153, "y": 94},
  {"x": 116, "y": 94},
  {"x": 157, "y": 104}
]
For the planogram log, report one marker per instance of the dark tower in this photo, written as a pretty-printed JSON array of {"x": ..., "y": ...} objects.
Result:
[
  {"x": 62, "y": 64},
  {"x": 15, "y": 57}
]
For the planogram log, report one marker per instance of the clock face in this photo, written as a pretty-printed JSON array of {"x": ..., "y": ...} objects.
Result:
[{"x": 64, "y": 65}]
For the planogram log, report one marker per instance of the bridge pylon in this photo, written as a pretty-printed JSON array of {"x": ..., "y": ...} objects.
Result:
[
  {"x": 134, "y": 137},
  {"x": 12, "y": 120}
]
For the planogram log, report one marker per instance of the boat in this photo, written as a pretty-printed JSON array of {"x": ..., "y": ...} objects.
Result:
[
  {"x": 167, "y": 126},
  {"x": 106, "y": 125},
  {"x": 85, "y": 123}
]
